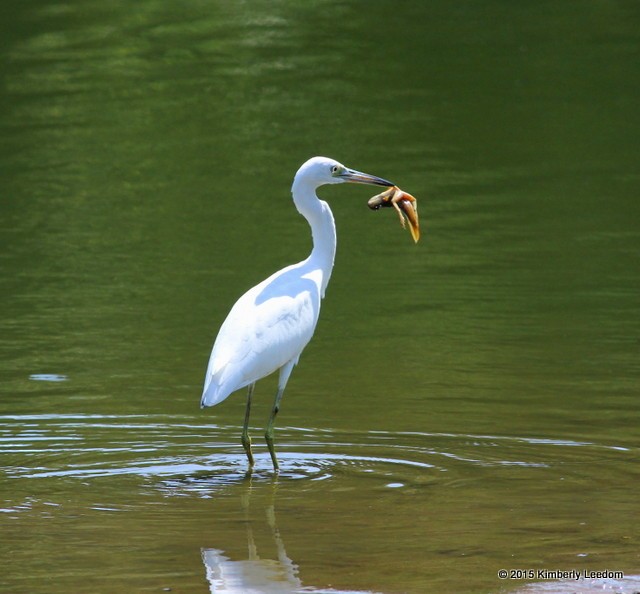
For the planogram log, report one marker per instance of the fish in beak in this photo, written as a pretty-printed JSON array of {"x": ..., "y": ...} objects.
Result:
[{"x": 404, "y": 203}]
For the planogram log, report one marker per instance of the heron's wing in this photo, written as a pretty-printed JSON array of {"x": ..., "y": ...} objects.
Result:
[{"x": 267, "y": 327}]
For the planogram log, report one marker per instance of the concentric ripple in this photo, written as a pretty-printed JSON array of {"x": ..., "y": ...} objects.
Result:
[{"x": 182, "y": 455}]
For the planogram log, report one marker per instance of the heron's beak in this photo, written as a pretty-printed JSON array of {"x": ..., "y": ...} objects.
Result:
[{"x": 357, "y": 177}]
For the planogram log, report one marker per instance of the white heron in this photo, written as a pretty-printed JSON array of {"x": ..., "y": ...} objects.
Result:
[{"x": 269, "y": 326}]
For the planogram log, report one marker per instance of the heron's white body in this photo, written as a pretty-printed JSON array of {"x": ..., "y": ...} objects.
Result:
[{"x": 270, "y": 325}]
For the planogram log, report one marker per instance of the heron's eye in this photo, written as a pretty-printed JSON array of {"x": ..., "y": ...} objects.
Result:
[{"x": 335, "y": 169}]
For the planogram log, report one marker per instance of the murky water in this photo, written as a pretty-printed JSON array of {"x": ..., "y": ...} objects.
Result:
[
  {"x": 467, "y": 405},
  {"x": 149, "y": 498}
]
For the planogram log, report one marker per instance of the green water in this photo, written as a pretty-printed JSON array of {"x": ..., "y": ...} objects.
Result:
[{"x": 468, "y": 404}]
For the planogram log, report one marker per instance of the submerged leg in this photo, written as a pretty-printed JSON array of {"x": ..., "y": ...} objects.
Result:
[
  {"x": 285, "y": 372},
  {"x": 246, "y": 440}
]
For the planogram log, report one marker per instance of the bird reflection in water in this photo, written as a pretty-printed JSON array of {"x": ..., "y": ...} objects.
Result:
[{"x": 256, "y": 575}]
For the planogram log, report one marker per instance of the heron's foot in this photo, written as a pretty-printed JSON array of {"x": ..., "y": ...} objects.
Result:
[
  {"x": 269, "y": 437},
  {"x": 246, "y": 444}
]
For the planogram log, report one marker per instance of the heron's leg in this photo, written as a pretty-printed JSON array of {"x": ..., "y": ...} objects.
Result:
[
  {"x": 285, "y": 372},
  {"x": 269, "y": 434},
  {"x": 246, "y": 440}
]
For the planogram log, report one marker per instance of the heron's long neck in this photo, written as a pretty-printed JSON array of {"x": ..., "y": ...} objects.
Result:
[{"x": 323, "y": 229}]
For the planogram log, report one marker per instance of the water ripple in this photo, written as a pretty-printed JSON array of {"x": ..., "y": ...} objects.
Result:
[{"x": 181, "y": 454}]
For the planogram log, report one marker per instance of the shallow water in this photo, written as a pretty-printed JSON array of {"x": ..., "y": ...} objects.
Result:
[
  {"x": 467, "y": 405},
  {"x": 159, "y": 495}
]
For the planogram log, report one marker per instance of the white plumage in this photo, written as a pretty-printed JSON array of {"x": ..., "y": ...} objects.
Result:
[{"x": 269, "y": 326}]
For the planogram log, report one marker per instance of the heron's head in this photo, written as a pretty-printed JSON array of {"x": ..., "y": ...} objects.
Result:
[{"x": 322, "y": 170}]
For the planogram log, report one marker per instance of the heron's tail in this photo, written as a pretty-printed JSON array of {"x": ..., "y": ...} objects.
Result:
[
  {"x": 215, "y": 390},
  {"x": 211, "y": 395}
]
